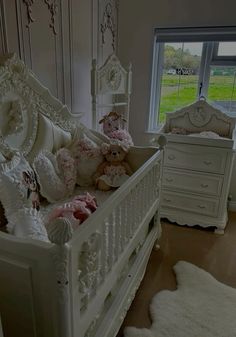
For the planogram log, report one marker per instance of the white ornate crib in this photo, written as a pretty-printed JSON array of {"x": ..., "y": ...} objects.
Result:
[{"x": 77, "y": 285}]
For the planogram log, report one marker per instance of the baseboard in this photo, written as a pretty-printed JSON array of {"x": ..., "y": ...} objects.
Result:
[{"x": 232, "y": 206}]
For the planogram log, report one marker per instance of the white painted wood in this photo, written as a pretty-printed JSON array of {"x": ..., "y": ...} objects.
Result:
[
  {"x": 113, "y": 80},
  {"x": 193, "y": 182},
  {"x": 232, "y": 206},
  {"x": 197, "y": 170},
  {"x": 80, "y": 284}
]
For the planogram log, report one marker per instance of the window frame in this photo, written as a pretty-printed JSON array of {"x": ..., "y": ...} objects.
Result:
[{"x": 209, "y": 58}]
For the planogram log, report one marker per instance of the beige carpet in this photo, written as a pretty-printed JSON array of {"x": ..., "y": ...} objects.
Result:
[{"x": 200, "y": 307}]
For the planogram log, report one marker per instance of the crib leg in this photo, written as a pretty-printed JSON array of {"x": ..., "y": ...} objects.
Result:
[
  {"x": 156, "y": 246},
  {"x": 220, "y": 231},
  {"x": 157, "y": 223}
]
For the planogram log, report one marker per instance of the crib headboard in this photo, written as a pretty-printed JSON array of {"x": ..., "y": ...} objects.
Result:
[
  {"x": 200, "y": 116},
  {"x": 31, "y": 119},
  {"x": 111, "y": 80}
]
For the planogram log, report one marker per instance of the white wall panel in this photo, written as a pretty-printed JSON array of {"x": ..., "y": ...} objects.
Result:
[{"x": 58, "y": 40}]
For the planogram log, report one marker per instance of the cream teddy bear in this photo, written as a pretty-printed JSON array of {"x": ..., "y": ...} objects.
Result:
[{"x": 114, "y": 171}]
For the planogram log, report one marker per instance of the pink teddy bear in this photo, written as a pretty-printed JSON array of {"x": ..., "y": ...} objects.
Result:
[{"x": 112, "y": 128}]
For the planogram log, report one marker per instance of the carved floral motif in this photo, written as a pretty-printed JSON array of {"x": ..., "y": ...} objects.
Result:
[
  {"x": 53, "y": 8},
  {"x": 14, "y": 118},
  {"x": 61, "y": 259},
  {"x": 28, "y": 4},
  {"x": 16, "y": 79},
  {"x": 89, "y": 266},
  {"x": 108, "y": 23},
  {"x": 199, "y": 117},
  {"x": 113, "y": 77}
]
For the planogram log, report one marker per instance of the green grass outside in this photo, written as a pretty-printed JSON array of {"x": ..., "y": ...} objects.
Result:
[{"x": 220, "y": 88}]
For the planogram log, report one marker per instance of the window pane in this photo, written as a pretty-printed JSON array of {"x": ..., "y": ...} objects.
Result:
[
  {"x": 222, "y": 87},
  {"x": 227, "y": 49},
  {"x": 179, "y": 78}
]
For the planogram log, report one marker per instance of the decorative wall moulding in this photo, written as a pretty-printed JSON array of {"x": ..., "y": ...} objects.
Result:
[
  {"x": 108, "y": 23},
  {"x": 28, "y": 4},
  {"x": 53, "y": 7}
]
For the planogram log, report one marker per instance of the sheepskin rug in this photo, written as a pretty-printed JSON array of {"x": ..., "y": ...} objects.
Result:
[{"x": 200, "y": 307}]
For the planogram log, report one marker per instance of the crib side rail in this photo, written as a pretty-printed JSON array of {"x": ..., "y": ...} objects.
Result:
[{"x": 103, "y": 248}]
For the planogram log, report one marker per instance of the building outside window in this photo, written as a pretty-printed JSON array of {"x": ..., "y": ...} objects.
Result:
[{"x": 189, "y": 64}]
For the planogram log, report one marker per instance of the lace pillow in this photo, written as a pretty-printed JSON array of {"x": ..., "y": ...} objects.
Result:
[
  {"x": 87, "y": 156},
  {"x": 18, "y": 185},
  {"x": 54, "y": 183}
]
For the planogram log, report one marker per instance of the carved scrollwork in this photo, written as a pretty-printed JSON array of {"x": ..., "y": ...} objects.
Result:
[
  {"x": 89, "y": 266},
  {"x": 113, "y": 77},
  {"x": 16, "y": 80},
  {"x": 28, "y": 4},
  {"x": 130, "y": 300},
  {"x": 92, "y": 326},
  {"x": 108, "y": 23},
  {"x": 53, "y": 8},
  {"x": 61, "y": 259},
  {"x": 199, "y": 117}
]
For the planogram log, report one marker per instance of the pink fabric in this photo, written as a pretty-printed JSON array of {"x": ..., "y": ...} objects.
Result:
[
  {"x": 84, "y": 148},
  {"x": 114, "y": 170},
  {"x": 122, "y": 135},
  {"x": 87, "y": 157},
  {"x": 77, "y": 210},
  {"x": 112, "y": 127},
  {"x": 66, "y": 164}
]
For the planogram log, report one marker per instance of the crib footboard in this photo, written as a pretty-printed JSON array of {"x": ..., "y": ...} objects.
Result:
[
  {"x": 82, "y": 285},
  {"x": 109, "y": 254}
]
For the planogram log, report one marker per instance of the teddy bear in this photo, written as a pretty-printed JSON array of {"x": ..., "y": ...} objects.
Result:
[
  {"x": 112, "y": 127},
  {"x": 114, "y": 170}
]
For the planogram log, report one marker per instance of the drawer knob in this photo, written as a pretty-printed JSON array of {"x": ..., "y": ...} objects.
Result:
[
  {"x": 171, "y": 157},
  {"x": 204, "y": 185},
  {"x": 169, "y": 180},
  {"x": 201, "y": 206},
  {"x": 207, "y": 162}
]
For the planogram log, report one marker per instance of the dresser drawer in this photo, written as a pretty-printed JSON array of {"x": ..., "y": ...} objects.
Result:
[
  {"x": 192, "y": 182},
  {"x": 195, "y": 157},
  {"x": 190, "y": 203}
]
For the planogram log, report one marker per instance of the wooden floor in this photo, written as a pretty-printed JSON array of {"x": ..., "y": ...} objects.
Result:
[{"x": 202, "y": 247}]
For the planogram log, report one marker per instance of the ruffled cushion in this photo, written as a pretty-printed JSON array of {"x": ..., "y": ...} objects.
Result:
[
  {"x": 52, "y": 186},
  {"x": 87, "y": 156}
]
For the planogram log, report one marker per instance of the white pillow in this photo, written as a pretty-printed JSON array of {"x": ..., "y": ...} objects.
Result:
[
  {"x": 27, "y": 223},
  {"x": 14, "y": 191},
  {"x": 51, "y": 180},
  {"x": 87, "y": 156}
]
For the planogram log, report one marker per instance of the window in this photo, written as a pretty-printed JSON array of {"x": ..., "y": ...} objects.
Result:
[{"x": 190, "y": 63}]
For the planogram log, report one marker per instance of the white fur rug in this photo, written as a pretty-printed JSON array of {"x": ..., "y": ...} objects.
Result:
[{"x": 200, "y": 307}]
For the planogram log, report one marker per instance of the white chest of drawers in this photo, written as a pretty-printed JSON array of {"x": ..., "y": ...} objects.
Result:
[{"x": 197, "y": 170}]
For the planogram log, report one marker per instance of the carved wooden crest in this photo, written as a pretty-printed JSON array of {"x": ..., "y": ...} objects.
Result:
[
  {"x": 22, "y": 99},
  {"x": 200, "y": 116}
]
